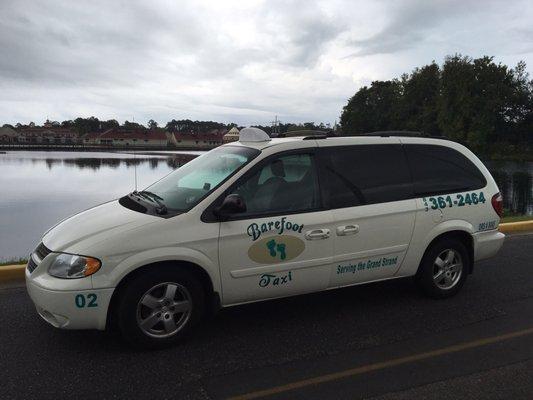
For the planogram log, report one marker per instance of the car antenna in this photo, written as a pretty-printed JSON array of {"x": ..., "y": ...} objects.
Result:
[{"x": 135, "y": 169}]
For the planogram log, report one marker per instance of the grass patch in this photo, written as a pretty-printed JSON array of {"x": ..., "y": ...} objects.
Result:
[
  {"x": 517, "y": 218},
  {"x": 14, "y": 261}
]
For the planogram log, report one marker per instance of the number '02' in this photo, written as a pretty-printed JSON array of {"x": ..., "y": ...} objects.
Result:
[{"x": 86, "y": 301}]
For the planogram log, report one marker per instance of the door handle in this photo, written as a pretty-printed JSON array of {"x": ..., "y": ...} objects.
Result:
[
  {"x": 347, "y": 230},
  {"x": 317, "y": 234}
]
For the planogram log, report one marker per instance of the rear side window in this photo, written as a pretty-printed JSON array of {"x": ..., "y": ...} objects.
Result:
[
  {"x": 439, "y": 169},
  {"x": 365, "y": 174}
]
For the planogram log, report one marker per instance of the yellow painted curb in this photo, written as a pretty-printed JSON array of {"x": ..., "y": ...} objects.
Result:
[
  {"x": 12, "y": 272},
  {"x": 521, "y": 226}
]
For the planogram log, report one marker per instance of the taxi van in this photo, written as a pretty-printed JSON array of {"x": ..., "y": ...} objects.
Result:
[{"x": 264, "y": 218}]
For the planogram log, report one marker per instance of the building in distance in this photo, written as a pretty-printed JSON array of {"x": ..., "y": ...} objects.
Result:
[{"x": 232, "y": 135}]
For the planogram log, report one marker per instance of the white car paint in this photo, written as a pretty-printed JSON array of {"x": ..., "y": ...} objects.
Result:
[{"x": 125, "y": 240}]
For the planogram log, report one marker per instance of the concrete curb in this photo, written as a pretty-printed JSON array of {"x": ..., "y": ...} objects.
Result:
[
  {"x": 10, "y": 273},
  {"x": 511, "y": 227},
  {"x": 16, "y": 272}
]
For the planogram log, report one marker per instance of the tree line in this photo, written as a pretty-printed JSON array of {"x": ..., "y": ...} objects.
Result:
[
  {"x": 485, "y": 105},
  {"x": 83, "y": 126}
]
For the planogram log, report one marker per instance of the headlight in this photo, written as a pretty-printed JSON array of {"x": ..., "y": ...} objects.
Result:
[{"x": 72, "y": 266}]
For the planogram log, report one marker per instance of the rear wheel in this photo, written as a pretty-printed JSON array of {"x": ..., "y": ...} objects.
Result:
[
  {"x": 443, "y": 269},
  {"x": 158, "y": 308}
]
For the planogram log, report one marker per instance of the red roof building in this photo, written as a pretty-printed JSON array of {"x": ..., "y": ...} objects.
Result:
[
  {"x": 8, "y": 135},
  {"x": 42, "y": 135},
  {"x": 206, "y": 140},
  {"x": 128, "y": 137}
]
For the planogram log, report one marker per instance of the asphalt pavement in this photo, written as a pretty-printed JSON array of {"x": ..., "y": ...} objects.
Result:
[{"x": 381, "y": 341}]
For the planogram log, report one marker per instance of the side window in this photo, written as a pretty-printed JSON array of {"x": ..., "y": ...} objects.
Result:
[
  {"x": 366, "y": 174},
  {"x": 285, "y": 184},
  {"x": 439, "y": 169}
]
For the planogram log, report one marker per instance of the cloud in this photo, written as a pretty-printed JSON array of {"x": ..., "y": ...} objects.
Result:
[
  {"x": 301, "y": 31},
  {"x": 413, "y": 22},
  {"x": 231, "y": 61}
]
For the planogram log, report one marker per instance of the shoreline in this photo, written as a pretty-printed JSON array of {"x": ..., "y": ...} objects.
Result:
[{"x": 110, "y": 149}]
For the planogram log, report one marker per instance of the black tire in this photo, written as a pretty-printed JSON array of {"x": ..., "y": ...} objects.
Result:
[
  {"x": 428, "y": 269},
  {"x": 129, "y": 312}
]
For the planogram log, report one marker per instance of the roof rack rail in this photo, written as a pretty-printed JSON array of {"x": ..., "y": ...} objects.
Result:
[
  {"x": 315, "y": 137},
  {"x": 308, "y": 134},
  {"x": 404, "y": 134},
  {"x": 302, "y": 132}
]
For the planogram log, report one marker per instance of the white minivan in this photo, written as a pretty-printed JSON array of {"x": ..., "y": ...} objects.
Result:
[{"x": 266, "y": 218}]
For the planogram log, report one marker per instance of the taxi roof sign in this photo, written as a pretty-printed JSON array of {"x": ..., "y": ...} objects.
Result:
[{"x": 253, "y": 135}]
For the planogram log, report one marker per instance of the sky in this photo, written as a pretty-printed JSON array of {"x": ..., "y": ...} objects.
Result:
[{"x": 243, "y": 61}]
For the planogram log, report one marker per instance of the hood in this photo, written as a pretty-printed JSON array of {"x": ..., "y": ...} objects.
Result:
[{"x": 89, "y": 227}]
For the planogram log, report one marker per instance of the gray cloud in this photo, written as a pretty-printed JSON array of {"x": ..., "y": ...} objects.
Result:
[
  {"x": 231, "y": 60},
  {"x": 303, "y": 30},
  {"x": 99, "y": 43},
  {"x": 413, "y": 21}
]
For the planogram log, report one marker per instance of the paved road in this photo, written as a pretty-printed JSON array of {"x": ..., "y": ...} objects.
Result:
[{"x": 381, "y": 341}]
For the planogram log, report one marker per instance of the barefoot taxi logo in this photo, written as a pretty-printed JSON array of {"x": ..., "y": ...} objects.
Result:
[
  {"x": 276, "y": 249},
  {"x": 279, "y": 226},
  {"x": 275, "y": 280}
]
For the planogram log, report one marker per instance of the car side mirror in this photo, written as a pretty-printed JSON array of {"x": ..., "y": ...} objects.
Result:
[{"x": 232, "y": 204}]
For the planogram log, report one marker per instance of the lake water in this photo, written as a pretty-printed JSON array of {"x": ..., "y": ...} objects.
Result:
[{"x": 40, "y": 188}]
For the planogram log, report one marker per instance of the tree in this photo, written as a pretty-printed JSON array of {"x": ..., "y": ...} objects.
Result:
[
  {"x": 485, "y": 105},
  {"x": 192, "y": 127},
  {"x": 132, "y": 125},
  {"x": 152, "y": 124},
  {"x": 520, "y": 115},
  {"x": 374, "y": 108},
  {"x": 418, "y": 110},
  {"x": 85, "y": 125},
  {"x": 480, "y": 101},
  {"x": 109, "y": 124}
]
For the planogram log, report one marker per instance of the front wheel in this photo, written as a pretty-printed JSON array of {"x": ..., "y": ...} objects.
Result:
[
  {"x": 443, "y": 269},
  {"x": 159, "y": 307}
]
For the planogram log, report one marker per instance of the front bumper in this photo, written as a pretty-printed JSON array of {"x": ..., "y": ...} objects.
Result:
[
  {"x": 487, "y": 244},
  {"x": 70, "y": 309}
]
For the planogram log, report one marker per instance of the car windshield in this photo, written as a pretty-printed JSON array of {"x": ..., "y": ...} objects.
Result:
[{"x": 188, "y": 185}]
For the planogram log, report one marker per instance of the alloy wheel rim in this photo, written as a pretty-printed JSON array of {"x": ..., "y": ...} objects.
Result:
[
  {"x": 164, "y": 310},
  {"x": 447, "y": 269}
]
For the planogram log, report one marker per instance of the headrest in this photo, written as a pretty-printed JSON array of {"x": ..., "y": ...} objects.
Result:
[{"x": 278, "y": 168}]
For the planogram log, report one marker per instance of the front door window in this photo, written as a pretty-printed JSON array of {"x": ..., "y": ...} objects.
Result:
[{"x": 286, "y": 184}]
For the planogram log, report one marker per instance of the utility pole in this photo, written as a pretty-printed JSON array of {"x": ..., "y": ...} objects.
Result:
[{"x": 275, "y": 127}]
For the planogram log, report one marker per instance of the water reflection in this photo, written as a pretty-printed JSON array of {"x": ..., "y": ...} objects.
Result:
[
  {"x": 521, "y": 193},
  {"x": 516, "y": 185},
  {"x": 173, "y": 161}
]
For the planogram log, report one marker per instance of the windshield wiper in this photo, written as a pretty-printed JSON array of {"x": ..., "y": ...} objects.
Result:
[
  {"x": 161, "y": 207},
  {"x": 151, "y": 194}
]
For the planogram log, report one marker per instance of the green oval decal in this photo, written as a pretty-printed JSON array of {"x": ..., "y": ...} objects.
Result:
[{"x": 276, "y": 249}]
